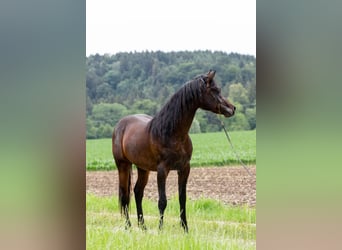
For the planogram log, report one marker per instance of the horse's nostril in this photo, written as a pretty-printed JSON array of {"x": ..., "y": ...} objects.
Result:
[{"x": 234, "y": 108}]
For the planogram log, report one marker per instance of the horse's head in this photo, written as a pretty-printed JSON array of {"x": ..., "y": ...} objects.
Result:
[{"x": 211, "y": 98}]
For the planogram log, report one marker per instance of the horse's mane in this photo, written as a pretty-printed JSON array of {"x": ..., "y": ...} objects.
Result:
[{"x": 165, "y": 122}]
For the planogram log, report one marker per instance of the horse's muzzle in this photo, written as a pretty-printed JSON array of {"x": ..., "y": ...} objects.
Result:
[{"x": 227, "y": 111}]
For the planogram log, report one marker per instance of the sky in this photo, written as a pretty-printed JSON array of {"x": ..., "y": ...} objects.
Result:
[{"x": 133, "y": 25}]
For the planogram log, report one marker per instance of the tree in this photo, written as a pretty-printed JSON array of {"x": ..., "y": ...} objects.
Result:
[
  {"x": 91, "y": 129},
  {"x": 105, "y": 131},
  {"x": 237, "y": 122},
  {"x": 251, "y": 117},
  {"x": 238, "y": 94},
  {"x": 251, "y": 91},
  {"x": 103, "y": 92},
  {"x": 145, "y": 106},
  {"x": 89, "y": 106},
  {"x": 112, "y": 77},
  {"x": 195, "y": 127},
  {"x": 141, "y": 82},
  {"x": 106, "y": 113},
  {"x": 233, "y": 73}
]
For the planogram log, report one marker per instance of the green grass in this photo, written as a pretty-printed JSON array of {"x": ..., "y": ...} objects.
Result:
[
  {"x": 212, "y": 225},
  {"x": 209, "y": 149},
  {"x": 99, "y": 154},
  {"x": 213, "y": 149}
]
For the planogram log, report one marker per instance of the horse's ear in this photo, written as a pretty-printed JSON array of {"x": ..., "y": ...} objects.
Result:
[{"x": 211, "y": 75}]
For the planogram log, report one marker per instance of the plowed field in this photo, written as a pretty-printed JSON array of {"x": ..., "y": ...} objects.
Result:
[{"x": 231, "y": 185}]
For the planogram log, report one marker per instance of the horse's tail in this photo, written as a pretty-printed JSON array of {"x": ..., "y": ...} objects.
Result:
[{"x": 124, "y": 167}]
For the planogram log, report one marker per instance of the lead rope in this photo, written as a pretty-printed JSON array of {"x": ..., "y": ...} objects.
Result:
[{"x": 231, "y": 144}]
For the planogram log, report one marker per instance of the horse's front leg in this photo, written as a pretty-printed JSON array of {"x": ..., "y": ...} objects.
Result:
[
  {"x": 182, "y": 181},
  {"x": 162, "y": 173}
]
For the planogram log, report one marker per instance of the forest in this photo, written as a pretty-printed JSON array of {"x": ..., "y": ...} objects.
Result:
[{"x": 142, "y": 82}]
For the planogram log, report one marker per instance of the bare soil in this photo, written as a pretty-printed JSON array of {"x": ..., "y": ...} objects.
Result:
[{"x": 231, "y": 185}]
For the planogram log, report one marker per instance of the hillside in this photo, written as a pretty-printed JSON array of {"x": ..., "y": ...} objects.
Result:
[{"x": 141, "y": 82}]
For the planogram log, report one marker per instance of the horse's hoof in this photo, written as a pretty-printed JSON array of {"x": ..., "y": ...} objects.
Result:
[
  {"x": 185, "y": 227},
  {"x": 160, "y": 225},
  {"x": 128, "y": 225}
]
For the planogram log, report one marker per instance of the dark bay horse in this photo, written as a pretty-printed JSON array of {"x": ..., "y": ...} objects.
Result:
[{"x": 162, "y": 143}]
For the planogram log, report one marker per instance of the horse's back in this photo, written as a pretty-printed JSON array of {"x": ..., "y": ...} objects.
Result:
[{"x": 131, "y": 124}]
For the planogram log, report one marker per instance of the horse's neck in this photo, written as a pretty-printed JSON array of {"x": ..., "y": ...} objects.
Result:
[
  {"x": 184, "y": 125},
  {"x": 174, "y": 120},
  {"x": 173, "y": 126}
]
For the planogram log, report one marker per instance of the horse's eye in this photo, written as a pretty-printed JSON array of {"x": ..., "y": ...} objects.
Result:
[{"x": 216, "y": 90}]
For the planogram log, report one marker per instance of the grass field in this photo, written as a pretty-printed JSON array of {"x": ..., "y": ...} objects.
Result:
[
  {"x": 212, "y": 225},
  {"x": 209, "y": 149}
]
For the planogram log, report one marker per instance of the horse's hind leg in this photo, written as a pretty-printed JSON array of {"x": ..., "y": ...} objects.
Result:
[
  {"x": 125, "y": 174},
  {"x": 162, "y": 173},
  {"x": 139, "y": 193},
  {"x": 182, "y": 181}
]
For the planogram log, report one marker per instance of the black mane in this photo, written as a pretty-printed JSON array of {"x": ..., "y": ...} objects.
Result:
[{"x": 183, "y": 103}]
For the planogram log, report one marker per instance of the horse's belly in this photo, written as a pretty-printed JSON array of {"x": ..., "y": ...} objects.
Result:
[{"x": 142, "y": 157}]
